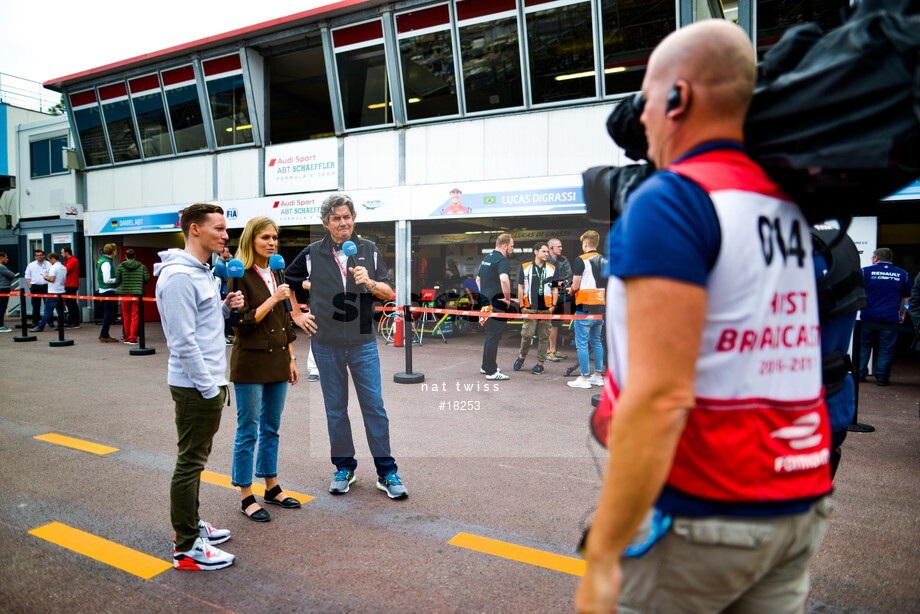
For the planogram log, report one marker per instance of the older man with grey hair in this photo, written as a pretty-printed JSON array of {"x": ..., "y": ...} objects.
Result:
[{"x": 343, "y": 288}]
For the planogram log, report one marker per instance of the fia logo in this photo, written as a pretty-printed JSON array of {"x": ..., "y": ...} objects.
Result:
[{"x": 231, "y": 214}]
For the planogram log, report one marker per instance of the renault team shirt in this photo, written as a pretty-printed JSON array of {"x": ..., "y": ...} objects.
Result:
[{"x": 886, "y": 287}]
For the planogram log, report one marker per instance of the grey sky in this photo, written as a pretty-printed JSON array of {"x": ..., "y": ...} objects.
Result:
[{"x": 45, "y": 39}]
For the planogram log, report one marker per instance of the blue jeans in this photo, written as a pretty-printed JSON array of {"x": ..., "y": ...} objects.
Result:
[
  {"x": 334, "y": 362},
  {"x": 109, "y": 313},
  {"x": 885, "y": 340},
  {"x": 258, "y": 413},
  {"x": 588, "y": 333},
  {"x": 50, "y": 305}
]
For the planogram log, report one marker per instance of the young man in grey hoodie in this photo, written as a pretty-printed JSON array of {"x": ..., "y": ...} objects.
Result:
[{"x": 192, "y": 315}]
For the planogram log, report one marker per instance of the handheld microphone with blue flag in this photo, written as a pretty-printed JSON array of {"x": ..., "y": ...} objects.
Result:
[
  {"x": 350, "y": 249},
  {"x": 235, "y": 271},
  {"x": 276, "y": 263}
]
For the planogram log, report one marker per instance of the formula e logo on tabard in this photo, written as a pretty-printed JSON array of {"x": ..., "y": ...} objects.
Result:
[{"x": 803, "y": 433}]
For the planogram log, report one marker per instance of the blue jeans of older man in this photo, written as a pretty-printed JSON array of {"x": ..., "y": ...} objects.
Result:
[
  {"x": 258, "y": 417},
  {"x": 335, "y": 362},
  {"x": 883, "y": 343}
]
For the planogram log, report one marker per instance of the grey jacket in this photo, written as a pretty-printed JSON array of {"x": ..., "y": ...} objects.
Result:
[
  {"x": 6, "y": 278},
  {"x": 192, "y": 315}
]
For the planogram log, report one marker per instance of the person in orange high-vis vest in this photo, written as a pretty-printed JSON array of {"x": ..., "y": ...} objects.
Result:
[
  {"x": 590, "y": 298},
  {"x": 537, "y": 294}
]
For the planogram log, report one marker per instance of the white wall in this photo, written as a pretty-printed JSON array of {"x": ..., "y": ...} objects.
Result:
[
  {"x": 154, "y": 184},
  {"x": 545, "y": 143},
  {"x": 238, "y": 174},
  {"x": 42, "y": 196},
  {"x": 371, "y": 160}
]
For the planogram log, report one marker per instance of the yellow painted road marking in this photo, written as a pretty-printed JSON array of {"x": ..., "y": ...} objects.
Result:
[
  {"x": 219, "y": 479},
  {"x": 110, "y": 553},
  {"x": 76, "y": 444},
  {"x": 522, "y": 554}
]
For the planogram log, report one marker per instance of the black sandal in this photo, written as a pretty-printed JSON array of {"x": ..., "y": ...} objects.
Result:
[
  {"x": 260, "y": 515},
  {"x": 288, "y": 502}
]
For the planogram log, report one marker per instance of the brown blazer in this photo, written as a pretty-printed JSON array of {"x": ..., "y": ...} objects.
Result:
[{"x": 260, "y": 349}]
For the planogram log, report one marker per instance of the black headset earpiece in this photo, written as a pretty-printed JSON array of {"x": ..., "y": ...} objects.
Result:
[{"x": 674, "y": 101}]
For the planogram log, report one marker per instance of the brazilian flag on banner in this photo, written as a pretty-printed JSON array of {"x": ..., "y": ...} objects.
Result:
[{"x": 489, "y": 200}]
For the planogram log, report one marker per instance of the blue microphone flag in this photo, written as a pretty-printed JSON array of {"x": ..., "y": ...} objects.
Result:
[
  {"x": 235, "y": 268},
  {"x": 276, "y": 262}
]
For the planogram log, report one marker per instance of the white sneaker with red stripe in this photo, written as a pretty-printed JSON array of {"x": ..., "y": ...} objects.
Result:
[
  {"x": 208, "y": 531},
  {"x": 212, "y": 534},
  {"x": 202, "y": 557}
]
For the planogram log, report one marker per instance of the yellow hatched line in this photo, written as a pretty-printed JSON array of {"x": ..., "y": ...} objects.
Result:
[
  {"x": 219, "y": 479},
  {"x": 76, "y": 444},
  {"x": 103, "y": 550},
  {"x": 521, "y": 554}
]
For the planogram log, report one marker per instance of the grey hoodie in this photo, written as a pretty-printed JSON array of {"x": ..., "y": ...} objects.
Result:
[{"x": 192, "y": 315}]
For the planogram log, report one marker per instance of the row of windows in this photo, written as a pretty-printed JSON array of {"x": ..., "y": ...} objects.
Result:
[
  {"x": 161, "y": 114},
  {"x": 450, "y": 59}
]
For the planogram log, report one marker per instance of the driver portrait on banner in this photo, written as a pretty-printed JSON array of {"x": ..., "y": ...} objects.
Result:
[{"x": 455, "y": 206}]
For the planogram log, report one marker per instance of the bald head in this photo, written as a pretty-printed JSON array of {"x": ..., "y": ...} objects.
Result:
[
  {"x": 715, "y": 57},
  {"x": 698, "y": 87}
]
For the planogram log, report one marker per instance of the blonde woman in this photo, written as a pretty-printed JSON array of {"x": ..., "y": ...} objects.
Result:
[{"x": 262, "y": 366}]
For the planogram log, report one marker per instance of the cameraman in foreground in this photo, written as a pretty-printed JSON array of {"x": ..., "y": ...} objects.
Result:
[{"x": 713, "y": 498}]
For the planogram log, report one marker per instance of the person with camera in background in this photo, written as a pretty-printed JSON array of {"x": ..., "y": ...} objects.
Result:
[
  {"x": 537, "y": 295},
  {"x": 564, "y": 305},
  {"x": 714, "y": 494}
]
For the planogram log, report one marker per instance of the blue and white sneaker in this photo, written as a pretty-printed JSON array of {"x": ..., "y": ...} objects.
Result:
[
  {"x": 392, "y": 485},
  {"x": 341, "y": 480}
]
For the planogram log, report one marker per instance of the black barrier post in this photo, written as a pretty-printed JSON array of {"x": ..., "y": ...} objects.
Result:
[
  {"x": 855, "y": 426},
  {"x": 60, "y": 341},
  {"x": 408, "y": 377},
  {"x": 24, "y": 328},
  {"x": 141, "y": 350}
]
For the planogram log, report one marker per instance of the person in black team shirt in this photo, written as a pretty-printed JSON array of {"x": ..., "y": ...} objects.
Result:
[{"x": 494, "y": 283}]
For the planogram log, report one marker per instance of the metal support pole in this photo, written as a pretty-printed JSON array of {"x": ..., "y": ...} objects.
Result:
[
  {"x": 141, "y": 349},
  {"x": 24, "y": 327},
  {"x": 60, "y": 341},
  {"x": 404, "y": 297}
]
